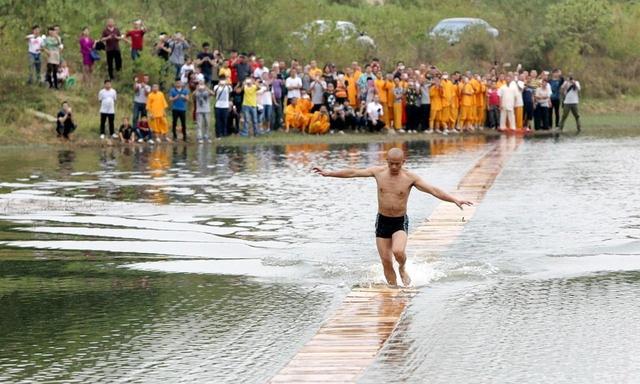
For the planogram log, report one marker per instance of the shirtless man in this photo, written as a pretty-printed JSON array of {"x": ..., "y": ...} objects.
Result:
[{"x": 394, "y": 184}]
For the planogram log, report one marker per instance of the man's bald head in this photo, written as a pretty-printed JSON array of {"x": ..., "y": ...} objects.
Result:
[
  {"x": 395, "y": 154},
  {"x": 395, "y": 160}
]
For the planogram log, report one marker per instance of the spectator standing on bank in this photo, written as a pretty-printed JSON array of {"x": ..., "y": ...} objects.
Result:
[
  {"x": 87, "y": 45},
  {"x": 178, "y": 46},
  {"x": 156, "y": 108},
  {"x": 107, "y": 97},
  {"x": 250, "y": 108},
  {"x": 51, "y": 47},
  {"x": 202, "y": 96},
  {"x": 135, "y": 38},
  {"x": 555, "y": 82},
  {"x": 243, "y": 69},
  {"x": 223, "y": 96},
  {"x": 111, "y": 37},
  {"x": 206, "y": 61},
  {"x": 293, "y": 85},
  {"x": 141, "y": 90},
  {"x": 571, "y": 92},
  {"x": 35, "y": 42},
  {"x": 179, "y": 97}
]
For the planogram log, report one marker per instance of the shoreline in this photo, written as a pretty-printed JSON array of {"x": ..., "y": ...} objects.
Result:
[{"x": 281, "y": 138}]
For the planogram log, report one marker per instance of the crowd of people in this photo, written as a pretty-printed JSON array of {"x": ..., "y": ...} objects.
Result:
[{"x": 240, "y": 94}]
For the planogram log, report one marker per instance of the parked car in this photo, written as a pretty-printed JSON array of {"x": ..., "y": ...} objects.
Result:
[
  {"x": 345, "y": 30},
  {"x": 453, "y": 28}
]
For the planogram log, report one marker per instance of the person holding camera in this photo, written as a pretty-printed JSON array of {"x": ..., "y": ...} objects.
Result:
[
  {"x": 64, "y": 121},
  {"x": 111, "y": 37},
  {"x": 571, "y": 92},
  {"x": 178, "y": 46},
  {"x": 141, "y": 90},
  {"x": 250, "y": 108}
]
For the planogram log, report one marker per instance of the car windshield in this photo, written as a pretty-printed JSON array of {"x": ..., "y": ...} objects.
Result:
[{"x": 457, "y": 25}]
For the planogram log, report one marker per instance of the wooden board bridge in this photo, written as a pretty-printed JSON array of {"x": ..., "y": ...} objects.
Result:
[{"x": 349, "y": 340}]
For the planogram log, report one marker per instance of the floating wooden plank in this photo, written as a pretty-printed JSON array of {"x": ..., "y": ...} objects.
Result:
[{"x": 349, "y": 341}]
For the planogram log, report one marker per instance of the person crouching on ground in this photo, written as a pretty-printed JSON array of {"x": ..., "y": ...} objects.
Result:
[
  {"x": 143, "y": 131},
  {"x": 64, "y": 122},
  {"x": 126, "y": 132},
  {"x": 156, "y": 109}
]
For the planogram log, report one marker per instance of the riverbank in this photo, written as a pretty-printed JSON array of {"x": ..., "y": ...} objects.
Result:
[
  {"x": 43, "y": 134},
  {"x": 30, "y": 120}
]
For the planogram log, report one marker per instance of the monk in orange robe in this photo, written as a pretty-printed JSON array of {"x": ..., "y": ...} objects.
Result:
[
  {"x": 319, "y": 122},
  {"x": 156, "y": 108}
]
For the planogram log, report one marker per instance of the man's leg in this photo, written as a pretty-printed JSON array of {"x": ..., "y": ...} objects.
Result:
[
  {"x": 386, "y": 257},
  {"x": 576, "y": 115},
  {"x": 110, "y": 60},
  {"x": 398, "y": 245}
]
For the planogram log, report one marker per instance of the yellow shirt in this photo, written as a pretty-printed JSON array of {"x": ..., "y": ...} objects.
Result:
[
  {"x": 249, "y": 99},
  {"x": 314, "y": 72},
  {"x": 226, "y": 72}
]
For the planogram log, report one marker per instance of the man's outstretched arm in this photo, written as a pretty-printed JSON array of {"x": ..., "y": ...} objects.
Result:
[
  {"x": 423, "y": 186},
  {"x": 346, "y": 173}
]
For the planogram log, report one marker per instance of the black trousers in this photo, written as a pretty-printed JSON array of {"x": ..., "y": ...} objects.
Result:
[
  {"x": 377, "y": 127},
  {"x": 103, "y": 119},
  {"x": 52, "y": 75},
  {"x": 425, "y": 110},
  {"x": 182, "y": 116},
  {"x": 555, "y": 110},
  {"x": 541, "y": 118},
  {"x": 413, "y": 117},
  {"x": 113, "y": 57}
]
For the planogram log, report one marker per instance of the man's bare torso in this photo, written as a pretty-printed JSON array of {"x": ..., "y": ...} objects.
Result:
[{"x": 393, "y": 191}]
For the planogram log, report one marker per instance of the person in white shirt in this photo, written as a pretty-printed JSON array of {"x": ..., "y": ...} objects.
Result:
[
  {"x": 187, "y": 67},
  {"x": 542, "y": 98},
  {"x": 107, "y": 97},
  {"x": 571, "y": 91},
  {"x": 222, "y": 92},
  {"x": 293, "y": 85},
  {"x": 517, "y": 86},
  {"x": 265, "y": 102},
  {"x": 374, "y": 115},
  {"x": 507, "y": 105},
  {"x": 35, "y": 47}
]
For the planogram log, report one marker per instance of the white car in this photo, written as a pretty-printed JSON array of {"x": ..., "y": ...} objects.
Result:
[
  {"x": 453, "y": 28},
  {"x": 345, "y": 30}
]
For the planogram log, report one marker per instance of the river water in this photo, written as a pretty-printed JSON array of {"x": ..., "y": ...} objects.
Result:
[{"x": 215, "y": 264}]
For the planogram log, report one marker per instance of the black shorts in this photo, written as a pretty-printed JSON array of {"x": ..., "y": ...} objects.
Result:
[{"x": 386, "y": 226}]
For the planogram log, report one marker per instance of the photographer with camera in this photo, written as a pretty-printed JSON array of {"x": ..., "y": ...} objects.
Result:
[{"x": 571, "y": 92}]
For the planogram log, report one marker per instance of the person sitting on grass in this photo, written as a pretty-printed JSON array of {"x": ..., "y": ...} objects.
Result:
[
  {"x": 126, "y": 132},
  {"x": 143, "y": 131},
  {"x": 319, "y": 122},
  {"x": 64, "y": 121}
]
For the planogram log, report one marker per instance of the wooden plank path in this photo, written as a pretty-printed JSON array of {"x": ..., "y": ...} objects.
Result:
[{"x": 348, "y": 342}]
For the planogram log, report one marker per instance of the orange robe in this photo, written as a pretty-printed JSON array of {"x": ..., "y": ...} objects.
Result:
[
  {"x": 156, "y": 106},
  {"x": 319, "y": 123},
  {"x": 435, "y": 95},
  {"x": 467, "y": 104}
]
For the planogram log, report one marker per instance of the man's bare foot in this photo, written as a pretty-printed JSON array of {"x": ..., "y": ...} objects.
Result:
[{"x": 406, "y": 280}]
